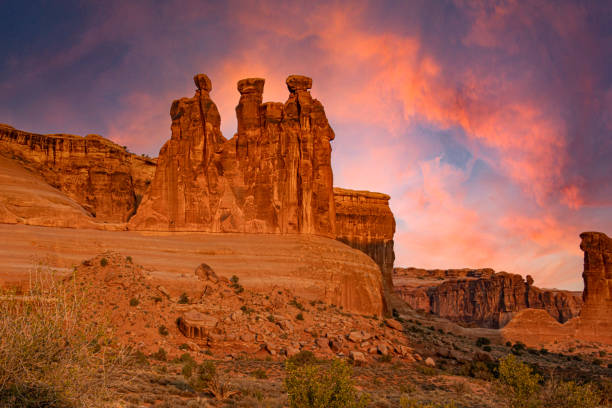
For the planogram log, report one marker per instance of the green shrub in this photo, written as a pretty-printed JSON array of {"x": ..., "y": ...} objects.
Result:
[
  {"x": 160, "y": 355},
  {"x": 519, "y": 384},
  {"x": 260, "y": 374},
  {"x": 103, "y": 262},
  {"x": 309, "y": 386},
  {"x": 487, "y": 349},
  {"x": 299, "y": 316},
  {"x": 134, "y": 302},
  {"x": 183, "y": 299}
]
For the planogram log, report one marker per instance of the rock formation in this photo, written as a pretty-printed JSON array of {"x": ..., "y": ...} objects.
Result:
[
  {"x": 596, "y": 316},
  {"x": 364, "y": 221},
  {"x": 480, "y": 297},
  {"x": 273, "y": 176},
  {"x": 98, "y": 174},
  {"x": 595, "y": 320}
]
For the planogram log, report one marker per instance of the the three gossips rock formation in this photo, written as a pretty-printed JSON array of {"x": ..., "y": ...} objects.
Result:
[{"x": 273, "y": 176}]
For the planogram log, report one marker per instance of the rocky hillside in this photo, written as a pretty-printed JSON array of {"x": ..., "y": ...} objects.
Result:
[{"x": 480, "y": 297}]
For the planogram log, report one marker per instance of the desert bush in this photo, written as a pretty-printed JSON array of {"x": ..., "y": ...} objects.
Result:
[
  {"x": 183, "y": 299},
  {"x": 52, "y": 354},
  {"x": 482, "y": 341},
  {"x": 160, "y": 355},
  {"x": 302, "y": 358},
  {"x": 519, "y": 384},
  {"x": 311, "y": 386},
  {"x": 406, "y": 402},
  {"x": 570, "y": 395},
  {"x": 293, "y": 302},
  {"x": 103, "y": 262},
  {"x": 134, "y": 302},
  {"x": 205, "y": 378},
  {"x": 260, "y": 374},
  {"x": 163, "y": 330},
  {"x": 299, "y": 316}
]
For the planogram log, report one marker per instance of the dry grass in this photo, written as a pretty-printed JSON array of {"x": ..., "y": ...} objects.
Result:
[{"x": 52, "y": 353}]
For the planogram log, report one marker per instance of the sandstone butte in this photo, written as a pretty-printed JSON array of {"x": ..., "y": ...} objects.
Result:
[
  {"x": 480, "y": 297},
  {"x": 273, "y": 176},
  {"x": 595, "y": 320}
]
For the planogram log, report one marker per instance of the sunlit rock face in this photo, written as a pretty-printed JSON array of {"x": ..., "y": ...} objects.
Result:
[
  {"x": 480, "y": 297},
  {"x": 101, "y": 176},
  {"x": 365, "y": 222},
  {"x": 596, "y": 316},
  {"x": 273, "y": 176}
]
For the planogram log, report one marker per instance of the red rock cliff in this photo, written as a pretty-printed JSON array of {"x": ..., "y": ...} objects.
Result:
[
  {"x": 596, "y": 316},
  {"x": 480, "y": 297},
  {"x": 273, "y": 176},
  {"x": 98, "y": 174},
  {"x": 364, "y": 221}
]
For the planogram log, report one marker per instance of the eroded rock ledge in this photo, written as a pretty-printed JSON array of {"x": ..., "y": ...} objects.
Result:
[
  {"x": 98, "y": 174},
  {"x": 480, "y": 297}
]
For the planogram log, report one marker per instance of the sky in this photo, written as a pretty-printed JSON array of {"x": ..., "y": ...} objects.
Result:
[{"x": 489, "y": 123}]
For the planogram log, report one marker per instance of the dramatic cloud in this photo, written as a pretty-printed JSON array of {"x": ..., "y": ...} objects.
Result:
[{"x": 488, "y": 122}]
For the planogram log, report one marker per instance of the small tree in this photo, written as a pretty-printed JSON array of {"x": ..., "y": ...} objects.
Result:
[
  {"x": 519, "y": 384},
  {"x": 309, "y": 386}
]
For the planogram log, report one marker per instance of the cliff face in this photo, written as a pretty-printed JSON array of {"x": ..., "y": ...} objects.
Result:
[
  {"x": 273, "y": 176},
  {"x": 596, "y": 316},
  {"x": 96, "y": 173},
  {"x": 364, "y": 221},
  {"x": 481, "y": 297}
]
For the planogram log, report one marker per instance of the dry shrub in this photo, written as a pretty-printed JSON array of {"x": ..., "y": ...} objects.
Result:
[
  {"x": 51, "y": 353},
  {"x": 311, "y": 386}
]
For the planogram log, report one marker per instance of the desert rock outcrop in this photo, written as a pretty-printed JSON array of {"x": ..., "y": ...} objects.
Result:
[
  {"x": 480, "y": 297},
  {"x": 364, "y": 221},
  {"x": 98, "y": 174},
  {"x": 596, "y": 316},
  {"x": 595, "y": 319},
  {"x": 273, "y": 176}
]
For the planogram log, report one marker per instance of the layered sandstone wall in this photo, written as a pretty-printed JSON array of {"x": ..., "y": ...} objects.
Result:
[
  {"x": 365, "y": 222},
  {"x": 98, "y": 174},
  {"x": 273, "y": 176},
  {"x": 480, "y": 297}
]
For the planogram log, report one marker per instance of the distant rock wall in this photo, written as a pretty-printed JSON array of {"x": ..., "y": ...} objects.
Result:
[
  {"x": 595, "y": 320},
  {"x": 273, "y": 176},
  {"x": 480, "y": 297},
  {"x": 98, "y": 174},
  {"x": 365, "y": 222}
]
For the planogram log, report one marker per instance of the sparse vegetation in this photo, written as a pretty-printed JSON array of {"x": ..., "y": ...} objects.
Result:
[
  {"x": 299, "y": 316},
  {"x": 310, "y": 386},
  {"x": 183, "y": 299},
  {"x": 134, "y": 302},
  {"x": 51, "y": 353},
  {"x": 163, "y": 330},
  {"x": 519, "y": 384},
  {"x": 103, "y": 262}
]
